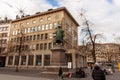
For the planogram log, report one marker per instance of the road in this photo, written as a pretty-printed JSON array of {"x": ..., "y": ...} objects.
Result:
[{"x": 6, "y": 74}]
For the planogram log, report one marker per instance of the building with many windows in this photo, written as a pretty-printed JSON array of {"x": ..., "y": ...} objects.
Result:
[
  {"x": 108, "y": 52},
  {"x": 4, "y": 33},
  {"x": 32, "y": 37}
]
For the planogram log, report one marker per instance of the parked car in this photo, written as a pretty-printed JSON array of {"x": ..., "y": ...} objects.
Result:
[
  {"x": 108, "y": 71},
  {"x": 108, "y": 68}
]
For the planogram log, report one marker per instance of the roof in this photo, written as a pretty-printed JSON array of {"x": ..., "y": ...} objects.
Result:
[{"x": 47, "y": 12}]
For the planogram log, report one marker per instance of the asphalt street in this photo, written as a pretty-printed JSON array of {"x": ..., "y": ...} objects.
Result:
[{"x": 10, "y": 74}]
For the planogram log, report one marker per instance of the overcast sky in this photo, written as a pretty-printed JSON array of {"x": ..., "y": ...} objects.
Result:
[{"x": 104, "y": 15}]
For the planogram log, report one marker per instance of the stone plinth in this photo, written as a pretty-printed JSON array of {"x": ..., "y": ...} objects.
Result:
[
  {"x": 58, "y": 56},
  {"x": 57, "y": 59}
]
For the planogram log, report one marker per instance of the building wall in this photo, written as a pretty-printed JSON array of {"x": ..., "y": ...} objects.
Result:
[
  {"x": 37, "y": 43},
  {"x": 105, "y": 52},
  {"x": 4, "y": 36}
]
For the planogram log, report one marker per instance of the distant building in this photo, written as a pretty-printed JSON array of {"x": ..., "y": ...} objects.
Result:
[
  {"x": 37, "y": 35},
  {"x": 104, "y": 52},
  {"x": 4, "y": 35}
]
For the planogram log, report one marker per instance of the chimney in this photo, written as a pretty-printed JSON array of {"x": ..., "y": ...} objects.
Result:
[
  {"x": 5, "y": 19},
  {"x": 17, "y": 17}
]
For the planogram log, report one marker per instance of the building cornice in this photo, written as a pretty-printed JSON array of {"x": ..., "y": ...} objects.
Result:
[{"x": 47, "y": 12}]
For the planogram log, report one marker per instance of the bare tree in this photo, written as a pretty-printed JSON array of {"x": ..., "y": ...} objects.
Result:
[{"x": 90, "y": 37}]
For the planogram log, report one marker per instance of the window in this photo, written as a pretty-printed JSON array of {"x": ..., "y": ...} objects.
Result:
[
  {"x": 28, "y": 30},
  {"x": 30, "y": 59},
  {"x": 21, "y": 25},
  {"x": 46, "y": 36},
  {"x": 38, "y": 28},
  {"x": 41, "y": 20},
  {"x": 57, "y": 17},
  {"x": 18, "y": 32},
  {"x": 59, "y": 23},
  {"x": 51, "y": 26},
  {"x": 31, "y": 38},
  {"x": 34, "y": 37},
  {"x": 46, "y": 26},
  {"x": 49, "y": 46},
  {"x": 42, "y": 27},
  {"x": 38, "y": 37},
  {"x": 15, "y": 26},
  {"x": 13, "y": 33},
  {"x": 27, "y": 39},
  {"x": 41, "y": 46},
  {"x": 35, "y": 28},
  {"x": 15, "y": 40},
  {"x": 24, "y": 39},
  {"x": 34, "y": 21},
  {"x": 31, "y": 29},
  {"x": 41, "y": 36},
  {"x": 46, "y": 60},
  {"x": 11, "y": 39},
  {"x": 16, "y": 60},
  {"x": 25, "y": 30},
  {"x": 27, "y": 23},
  {"x": 48, "y": 18},
  {"x": 55, "y": 25},
  {"x": 10, "y": 60},
  {"x": 38, "y": 60},
  {"x": 37, "y": 47},
  {"x": 0, "y": 29},
  {"x": 50, "y": 35},
  {"x": 45, "y": 46},
  {"x": 23, "y": 60}
]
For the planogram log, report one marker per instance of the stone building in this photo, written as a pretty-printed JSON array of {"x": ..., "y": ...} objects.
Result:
[
  {"x": 35, "y": 35},
  {"x": 4, "y": 33},
  {"x": 104, "y": 52}
]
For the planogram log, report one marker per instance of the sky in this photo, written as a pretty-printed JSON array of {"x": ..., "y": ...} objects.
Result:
[{"x": 103, "y": 15}]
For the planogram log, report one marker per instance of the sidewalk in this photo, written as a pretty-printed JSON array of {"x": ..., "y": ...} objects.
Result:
[{"x": 37, "y": 74}]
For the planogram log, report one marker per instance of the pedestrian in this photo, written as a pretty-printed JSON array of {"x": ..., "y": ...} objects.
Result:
[
  {"x": 80, "y": 73},
  {"x": 98, "y": 74},
  {"x": 60, "y": 74},
  {"x": 91, "y": 67}
]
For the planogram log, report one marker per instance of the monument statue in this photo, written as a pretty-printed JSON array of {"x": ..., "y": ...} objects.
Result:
[{"x": 59, "y": 35}]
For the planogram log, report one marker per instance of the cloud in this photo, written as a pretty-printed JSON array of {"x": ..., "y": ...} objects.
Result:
[
  {"x": 104, "y": 15},
  {"x": 10, "y": 8}
]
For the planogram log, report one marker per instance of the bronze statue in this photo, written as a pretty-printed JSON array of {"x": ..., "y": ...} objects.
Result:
[{"x": 59, "y": 35}]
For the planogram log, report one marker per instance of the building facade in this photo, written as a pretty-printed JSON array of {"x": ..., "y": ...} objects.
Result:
[
  {"x": 108, "y": 52},
  {"x": 4, "y": 33},
  {"x": 32, "y": 37}
]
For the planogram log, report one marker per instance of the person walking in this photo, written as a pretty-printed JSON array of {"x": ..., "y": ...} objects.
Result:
[
  {"x": 60, "y": 74},
  {"x": 98, "y": 74}
]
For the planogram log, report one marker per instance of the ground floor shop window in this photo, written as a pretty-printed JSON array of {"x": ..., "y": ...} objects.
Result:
[
  {"x": 10, "y": 60},
  {"x": 46, "y": 60},
  {"x": 30, "y": 59},
  {"x": 16, "y": 60},
  {"x": 23, "y": 60},
  {"x": 68, "y": 58},
  {"x": 38, "y": 60}
]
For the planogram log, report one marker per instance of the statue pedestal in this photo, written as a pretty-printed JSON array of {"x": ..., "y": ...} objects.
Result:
[
  {"x": 57, "y": 59},
  {"x": 58, "y": 56}
]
